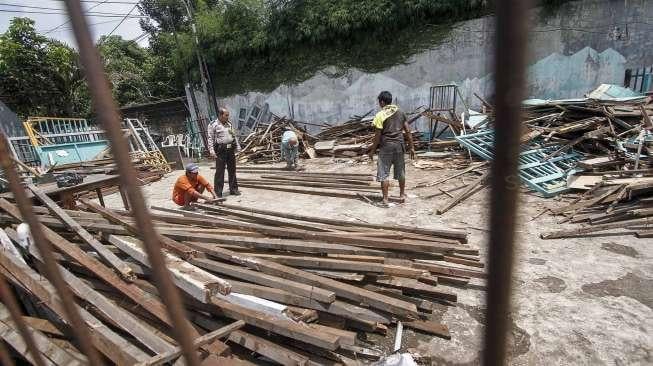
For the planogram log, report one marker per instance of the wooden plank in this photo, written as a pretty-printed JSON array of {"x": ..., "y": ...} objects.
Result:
[
  {"x": 245, "y": 274},
  {"x": 131, "y": 291},
  {"x": 118, "y": 315},
  {"x": 594, "y": 228},
  {"x": 175, "y": 247},
  {"x": 52, "y": 353},
  {"x": 467, "y": 192},
  {"x": 102, "y": 251},
  {"x": 312, "y": 247},
  {"x": 228, "y": 306},
  {"x": 410, "y": 286},
  {"x": 375, "y": 243},
  {"x": 440, "y": 269},
  {"x": 104, "y": 339},
  {"x": 197, "y": 283},
  {"x": 453, "y": 234},
  {"x": 339, "y": 308},
  {"x": 277, "y": 325},
  {"x": 198, "y": 342},
  {"x": 273, "y": 351},
  {"x": 430, "y": 327},
  {"x": 342, "y": 265},
  {"x": 421, "y": 304},
  {"x": 354, "y": 293}
]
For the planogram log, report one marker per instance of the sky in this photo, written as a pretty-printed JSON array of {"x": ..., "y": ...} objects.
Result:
[{"x": 50, "y": 18}]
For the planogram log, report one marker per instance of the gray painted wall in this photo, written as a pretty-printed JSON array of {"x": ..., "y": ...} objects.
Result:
[{"x": 581, "y": 45}]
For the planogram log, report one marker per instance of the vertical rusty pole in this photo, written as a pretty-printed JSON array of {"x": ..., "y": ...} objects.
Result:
[
  {"x": 510, "y": 79},
  {"x": 52, "y": 273},
  {"x": 107, "y": 113},
  {"x": 14, "y": 310}
]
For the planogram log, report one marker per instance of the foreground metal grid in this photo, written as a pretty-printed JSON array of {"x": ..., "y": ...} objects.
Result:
[{"x": 509, "y": 70}]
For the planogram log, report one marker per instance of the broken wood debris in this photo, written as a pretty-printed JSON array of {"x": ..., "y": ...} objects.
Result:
[{"x": 285, "y": 275}]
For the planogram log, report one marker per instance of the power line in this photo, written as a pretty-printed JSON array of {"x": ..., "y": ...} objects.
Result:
[
  {"x": 68, "y": 20},
  {"x": 96, "y": 15},
  {"x": 101, "y": 2},
  {"x": 90, "y": 25},
  {"x": 122, "y": 20},
  {"x": 59, "y": 9}
]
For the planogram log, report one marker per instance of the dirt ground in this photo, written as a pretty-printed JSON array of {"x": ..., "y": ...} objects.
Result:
[{"x": 580, "y": 301}]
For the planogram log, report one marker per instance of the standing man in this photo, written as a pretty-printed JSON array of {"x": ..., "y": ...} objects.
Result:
[
  {"x": 223, "y": 146},
  {"x": 391, "y": 125},
  {"x": 289, "y": 149}
]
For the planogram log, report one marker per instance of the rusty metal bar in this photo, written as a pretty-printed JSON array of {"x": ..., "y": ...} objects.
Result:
[
  {"x": 510, "y": 79},
  {"x": 5, "y": 357},
  {"x": 14, "y": 309},
  {"x": 107, "y": 113},
  {"x": 45, "y": 248}
]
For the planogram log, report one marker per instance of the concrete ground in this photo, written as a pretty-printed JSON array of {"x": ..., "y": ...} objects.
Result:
[{"x": 580, "y": 301}]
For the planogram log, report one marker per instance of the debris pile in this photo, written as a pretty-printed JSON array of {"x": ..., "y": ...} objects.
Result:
[
  {"x": 263, "y": 145},
  {"x": 601, "y": 144},
  {"x": 304, "y": 286},
  {"x": 354, "y": 137}
]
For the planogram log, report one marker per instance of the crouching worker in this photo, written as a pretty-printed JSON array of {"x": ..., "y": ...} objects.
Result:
[
  {"x": 289, "y": 149},
  {"x": 191, "y": 186}
]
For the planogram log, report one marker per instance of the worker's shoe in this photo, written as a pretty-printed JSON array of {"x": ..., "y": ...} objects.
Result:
[{"x": 235, "y": 193}]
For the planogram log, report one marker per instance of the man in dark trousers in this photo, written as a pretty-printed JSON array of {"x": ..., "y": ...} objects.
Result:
[
  {"x": 391, "y": 126},
  {"x": 223, "y": 146}
]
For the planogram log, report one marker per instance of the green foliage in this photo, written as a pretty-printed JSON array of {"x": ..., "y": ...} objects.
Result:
[
  {"x": 41, "y": 76},
  {"x": 37, "y": 75},
  {"x": 135, "y": 75},
  {"x": 259, "y": 44}
]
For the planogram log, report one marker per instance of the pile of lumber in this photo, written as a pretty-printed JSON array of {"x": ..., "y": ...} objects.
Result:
[
  {"x": 263, "y": 145},
  {"x": 358, "y": 186},
  {"x": 616, "y": 202},
  {"x": 353, "y": 137},
  {"x": 302, "y": 290},
  {"x": 616, "y": 134}
]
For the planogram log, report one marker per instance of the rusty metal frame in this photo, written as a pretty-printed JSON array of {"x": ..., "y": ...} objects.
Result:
[
  {"x": 10, "y": 302},
  {"x": 107, "y": 112},
  {"x": 510, "y": 79}
]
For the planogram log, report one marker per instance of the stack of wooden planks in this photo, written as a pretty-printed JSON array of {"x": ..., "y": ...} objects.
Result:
[
  {"x": 613, "y": 203},
  {"x": 354, "y": 137},
  {"x": 359, "y": 186},
  {"x": 263, "y": 145},
  {"x": 291, "y": 288}
]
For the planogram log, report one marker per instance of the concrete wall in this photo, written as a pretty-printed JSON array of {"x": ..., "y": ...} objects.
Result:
[{"x": 572, "y": 50}]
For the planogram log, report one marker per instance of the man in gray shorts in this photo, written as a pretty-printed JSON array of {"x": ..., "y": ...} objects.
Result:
[{"x": 391, "y": 126}]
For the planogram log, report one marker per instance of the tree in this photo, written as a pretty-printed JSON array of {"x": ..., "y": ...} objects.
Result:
[{"x": 38, "y": 76}]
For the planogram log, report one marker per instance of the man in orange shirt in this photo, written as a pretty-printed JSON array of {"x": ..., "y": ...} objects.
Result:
[{"x": 190, "y": 186}]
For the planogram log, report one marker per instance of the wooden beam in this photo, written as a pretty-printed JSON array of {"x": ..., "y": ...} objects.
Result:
[
  {"x": 245, "y": 274},
  {"x": 288, "y": 328},
  {"x": 197, "y": 283},
  {"x": 430, "y": 327},
  {"x": 102, "y": 251},
  {"x": 375, "y": 243},
  {"x": 337, "y": 307},
  {"x": 198, "y": 342},
  {"x": 410, "y": 286},
  {"x": 354, "y": 293},
  {"x": 273, "y": 351},
  {"x": 104, "y": 339},
  {"x": 453, "y": 234},
  {"x": 175, "y": 247},
  {"x": 342, "y": 265},
  {"x": 51, "y": 352},
  {"x": 447, "y": 270}
]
